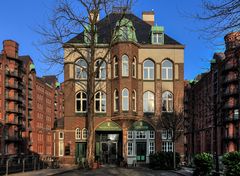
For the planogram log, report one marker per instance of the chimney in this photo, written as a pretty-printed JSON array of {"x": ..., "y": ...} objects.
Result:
[
  {"x": 91, "y": 15},
  {"x": 148, "y": 17},
  {"x": 10, "y": 48}
]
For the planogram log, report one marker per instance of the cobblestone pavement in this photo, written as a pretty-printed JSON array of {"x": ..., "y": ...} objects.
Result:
[{"x": 116, "y": 171}]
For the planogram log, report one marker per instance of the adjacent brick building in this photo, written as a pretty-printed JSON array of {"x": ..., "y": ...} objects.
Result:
[
  {"x": 211, "y": 100},
  {"x": 143, "y": 80},
  {"x": 28, "y": 105}
]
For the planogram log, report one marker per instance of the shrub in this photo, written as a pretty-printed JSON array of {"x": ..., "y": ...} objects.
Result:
[
  {"x": 231, "y": 162},
  {"x": 163, "y": 160},
  {"x": 203, "y": 164}
]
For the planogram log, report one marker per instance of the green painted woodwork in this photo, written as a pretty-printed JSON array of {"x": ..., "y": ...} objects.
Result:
[
  {"x": 97, "y": 148},
  {"x": 57, "y": 84},
  {"x": 109, "y": 126},
  {"x": 87, "y": 35},
  {"x": 159, "y": 31},
  {"x": 141, "y": 126},
  {"x": 125, "y": 30},
  {"x": 81, "y": 149},
  {"x": 32, "y": 67}
]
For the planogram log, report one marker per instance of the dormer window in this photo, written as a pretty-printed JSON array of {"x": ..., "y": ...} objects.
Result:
[
  {"x": 125, "y": 31},
  {"x": 157, "y": 35}
]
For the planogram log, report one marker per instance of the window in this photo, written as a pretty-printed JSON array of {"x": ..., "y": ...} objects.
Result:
[
  {"x": 134, "y": 100},
  {"x": 157, "y": 38},
  {"x": 81, "y": 102},
  {"x": 134, "y": 68},
  {"x": 100, "y": 102},
  {"x": 84, "y": 133},
  {"x": 61, "y": 135},
  {"x": 151, "y": 134},
  {"x": 61, "y": 148},
  {"x": 236, "y": 114},
  {"x": 148, "y": 70},
  {"x": 167, "y": 70},
  {"x": 77, "y": 133},
  {"x": 116, "y": 100},
  {"x": 124, "y": 65},
  {"x": 140, "y": 135},
  {"x": 167, "y": 146},
  {"x": 148, "y": 102},
  {"x": 167, "y": 102},
  {"x": 151, "y": 147},
  {"x": 125, "y": 32},
  {"x": 166, "y": 134},
  {"x": 81, "y": 69},
  {"x": 130, "y": 134},
  {"x": 101, "y": 67},
  {"x": 130, "y": 148},
  {"x": 125, "y": 100},
  {"x": 115, "y": 67}
]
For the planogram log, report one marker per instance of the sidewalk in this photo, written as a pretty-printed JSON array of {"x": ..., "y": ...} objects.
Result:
[
  {"x": 185, "y": 171},
  {"x": 47, "y": 172}
]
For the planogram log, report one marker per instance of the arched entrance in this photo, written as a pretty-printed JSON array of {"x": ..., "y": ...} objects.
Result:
[
  {"x": 140, "y": 142},
  {"x": 108, "y": 142}
]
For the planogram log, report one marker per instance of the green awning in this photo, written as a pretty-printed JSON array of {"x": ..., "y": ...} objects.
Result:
[
  {"x": 141, "y": 126},
  {"x": 109, "y": 126}
]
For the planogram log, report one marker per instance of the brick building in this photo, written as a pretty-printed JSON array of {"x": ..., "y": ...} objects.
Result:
[
  {"x": 144, "y": 79},
  {"x": 212, "y": 99},
  {"x": 28, "y": 104}
]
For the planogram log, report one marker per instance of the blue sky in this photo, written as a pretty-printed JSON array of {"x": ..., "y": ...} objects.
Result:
[{"x": 18, "y": 19}]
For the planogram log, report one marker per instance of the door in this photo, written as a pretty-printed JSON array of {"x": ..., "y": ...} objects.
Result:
[
  {"x": 141, "y": 151},
  {"x": 81, "y": 148},
  {"x": 109, "y": 152}
]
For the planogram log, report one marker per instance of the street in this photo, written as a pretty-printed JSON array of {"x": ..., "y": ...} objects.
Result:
[{"x": 117, "y": 171}]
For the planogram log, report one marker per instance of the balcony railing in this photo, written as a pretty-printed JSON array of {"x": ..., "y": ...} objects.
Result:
[
  {"x": 14, "y": 85},
  {"x": 231, "y": 92},
  {"x": 230, "y": 79},
  {"x": 13, "y": 73},
  {"x": 14, "y": 110},
  {"x": 13, "y": 121}
]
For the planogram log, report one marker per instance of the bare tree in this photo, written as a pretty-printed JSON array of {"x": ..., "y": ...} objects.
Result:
[
  {"x": 174, "y": 123},
  {"x": 69, "y": 18},
  {"x": 221, "y": 17}
]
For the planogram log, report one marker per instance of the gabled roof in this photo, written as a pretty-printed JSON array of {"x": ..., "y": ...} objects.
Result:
[{"x": 107, "y": 25}]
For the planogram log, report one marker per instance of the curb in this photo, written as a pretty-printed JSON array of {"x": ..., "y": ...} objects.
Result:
[
  {"x": 62, "y": 172},
  {"x": 177, "y": 173}
]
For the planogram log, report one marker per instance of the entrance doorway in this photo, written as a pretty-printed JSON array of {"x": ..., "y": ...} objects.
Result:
[
  {"x": 141, "y": 151},
  {"x": 109, "y": 152}
]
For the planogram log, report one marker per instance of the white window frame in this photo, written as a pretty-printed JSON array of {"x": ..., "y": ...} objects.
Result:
[
  {"x": 167, "y": 146},
  {"x": 102, "y": 69},
  {"x": 77, "y": 133},
  {"x": 125, "y": 98},
  {"x": 159, "y": 38},
  {"x": 167, "y": 134},
  {"x": 151, "y": 147},
  {"x": 116, "y": 99},
  {"x": 83, "y": 70},
  {"x": 148, "y": 99},
  {"x": 115, "y": 71},
  {"x": 81, "y": 99},
  {"x": 61, "y": 132},
  {"x": 101, "y": 100},
  {"x": 169, "y": 101},
  {"x": 130, "y": 146},
  {"x": 140, "y": 135},
  {"x": 84, "y": 133},
  {"x": 167, "y": 70},
  {"x": 151, "y": 134},
  {"x": 125, "y": 65},
  {"x": 134, "y": 69},
  {"x": 130, "y": 135},
  {"x": 148, "y": 70},
  {"x": 61, "y": 148},
  {"x": 134, "y": 100}
]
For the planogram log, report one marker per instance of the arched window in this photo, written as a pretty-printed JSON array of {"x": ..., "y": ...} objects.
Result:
[
  {"x": 116, "y": 100},
  {"x": 134, "y": 68},
  {"x": 81, "y": 69},
  {"x": 167, "y": 70},
  {"x": 148, "y": 102},
  {"x": 81, "y": 102},
  {"x": 125, "y": 65},
  {"x": 100, "y": 102},
  {"x": 125, "y": 99},
  {"x": 77, "y": 133},
  {"x": 134, "y": 100},
  {"x": 101, "y": 67},
  {"x": 84, "y": 133},
  {"x": 148, "y": 70},
  {"x": 167, "y": 102},
  {"x": 115, "y": 70}
]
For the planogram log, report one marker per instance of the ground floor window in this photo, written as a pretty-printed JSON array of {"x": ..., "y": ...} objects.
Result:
[
  {"x": 61, "y": 148},
  {"x": 151, "y": 147},
  {"x": 167, "y": 146},
  {"x": 130, "y": 148}
]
